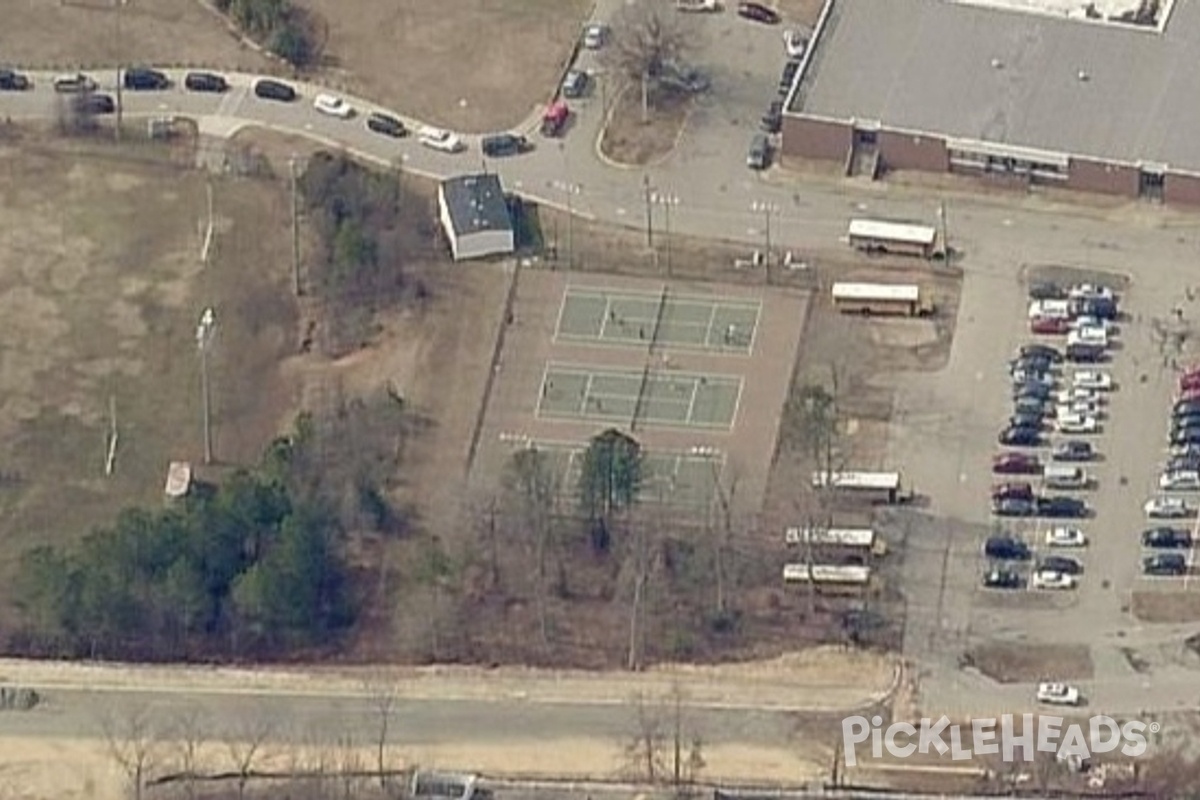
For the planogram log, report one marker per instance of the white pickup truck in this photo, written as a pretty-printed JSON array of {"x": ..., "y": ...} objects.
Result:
[{"x": 697, "y": 5}]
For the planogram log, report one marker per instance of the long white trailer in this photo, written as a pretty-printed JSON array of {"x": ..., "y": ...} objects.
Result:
[{"x": 905, "y": 300}]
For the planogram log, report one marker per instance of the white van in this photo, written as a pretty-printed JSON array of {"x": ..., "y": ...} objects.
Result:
[
  {"x": 1049, "y": 309},
  {"x": 1064, "y": 476}
]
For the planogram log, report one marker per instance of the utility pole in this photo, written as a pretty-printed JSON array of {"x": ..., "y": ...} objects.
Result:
[
  {"x": 767, "y": 210},
  {"x": 120, "y": 54},
  {"x": 649, "y": 212},
  {"x": 666, "y": 200},
  {"x": 295, "y": 229},
  {"x": 204, "y": 335},
  {"x": 941, "y": 212}
]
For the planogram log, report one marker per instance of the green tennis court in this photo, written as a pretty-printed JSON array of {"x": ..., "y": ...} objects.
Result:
[
  {"x": 686, "y": 479},
  {"x": 679, "y": 321},
  {"x": 648, "y": 397}
]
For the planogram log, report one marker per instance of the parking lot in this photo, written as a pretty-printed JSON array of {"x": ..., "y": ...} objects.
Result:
[{"x": 945, "y": 434}]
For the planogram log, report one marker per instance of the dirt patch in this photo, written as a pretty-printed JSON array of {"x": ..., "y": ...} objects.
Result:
[
  {"x": 91, "y": 33},
  {"x": 464, "y": 64},
  {"x": 634, "y": 139},
  {"x": 800, "y": 13},
  {"x": 1166, "y": 607},
  {"x": 1029, "y": 663}
]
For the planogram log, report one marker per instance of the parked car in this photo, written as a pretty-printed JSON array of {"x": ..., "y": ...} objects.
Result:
[
  {"x": 790, "y": 69},
  {"x": 1179, "y": 481},
  {"x": 575, "y": 83},
  {"x": 1065, "y": 537},
  {"x": 1077, "y": 423},
  {"x": 1043, "y": 350},
  {"x": 1188, "y": 383},
  {"x": 1167, "y": 508},
  {"x": 1064, "y": 564},
  {"x": 1073, "y": 450},
  {"x": 13, "y": 81},
  {"x": 758, "y": 157},
  {"x": 1190, "y": 394},
  {"x": 1189, "y": 462},
  {"x": 1185, "y": 436},
  {"x": 1015, "y": 490},
  {"x": 595, "y": 35},
  {"x": 1048, "y": 579},
  {"x": 1057, "y": 694},
  {"x": 1185, "y": 407},
  {"x": 1020, "y": 437},
  {"x": 1049, "y": 326},
  {"x": 794, "y": 43},
  {"x": 1041, "y": 377},
  {"x": 205, "y": 82},
  {"x": 268, "y": 89},
  {"x": 1032, "y": 406},
  {"x": 386, "y": 124},
  {"x": 504, "y": 144},
  {"x": 1061, "y": 507},
  {"x": 1016, "y": 464},
  {"x": 1078, "y": 408},
  {"x": 1006, "y": 548},
  {"x": 684, "y": 79},
  {"x": 698, "y": 5},
  {"x": 439, "y": 139},
  {"x": 772, "y": 121},
  {"x": 1046, "y": 290},
  {"x": 1019, "y": 420},
  {"x": 1041, "y": 391},
  {"x": 1031, "y": 363},
  {"x": 1078, "y": 394},
  {"x": 145, "y": 79},
  {"x": 1100, "y": 307},
  {"x": 1165, "y": 564},
  {"x": 73, "y": 83},
  {"x": 1164, "y": 538},
  {"x": 333, "y": 106},
  {"x": 554, "y": 121},
  {"x": 758, "y": 12},
  {"x": 1093, "y": 379},
  {"x": 1089, "y": 291},
  {"x": 1001, "y": 579},
  {"x": 95, "y": 103},
  {"x": 1013, "y": 507}
]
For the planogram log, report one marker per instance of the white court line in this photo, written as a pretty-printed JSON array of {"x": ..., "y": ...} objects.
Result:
[
  {"x": 562, "y": 310},
  {"x": 712, "y": 317},
  {"x": 692, "y": 402},
  {"x": 754, "y": 330},
  {"x": 587, "y": 394},
  {"x": 608, "y": 313},
  {"x": 737, "y": 407}
]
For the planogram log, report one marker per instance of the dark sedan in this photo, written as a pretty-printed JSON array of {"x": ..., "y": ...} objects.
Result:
[
  {"x": 759, "y": 13},
  {"x": 1061, "y": 507},
  {"x": 11, "y": 81},
  {"x": 1020, "y": 437},
  {"x": 1166, "y": 539}
]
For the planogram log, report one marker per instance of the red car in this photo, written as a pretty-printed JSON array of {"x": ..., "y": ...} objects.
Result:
[
  {"x": 1049, "y": 326},
  {"x": 1188, "y": 395},
  {"x": 1012, "y": 491},
  {"x": 759, "y": 13},
  {"x": 1016, "y": 464},
  {"x": 1189, "y": 382}
]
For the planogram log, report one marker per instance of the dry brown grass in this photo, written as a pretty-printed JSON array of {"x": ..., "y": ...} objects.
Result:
[
  {"x": 1019, "y": 662},
  {"x": 636, "y": 141},
  {"x": 1167, "y": 606}
]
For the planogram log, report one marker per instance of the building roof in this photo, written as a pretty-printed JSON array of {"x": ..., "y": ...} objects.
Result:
[
  {"x": 1111, "y": 92},
  {"x": 476, "y": 203}
]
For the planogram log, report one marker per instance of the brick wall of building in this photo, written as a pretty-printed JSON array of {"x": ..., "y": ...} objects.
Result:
[
  {"x": 911, "y": 151},
  {"x": 1097, "y": 176},
  {"x": 1181, "y": 189},
  {"x": 814, "y": 138}
]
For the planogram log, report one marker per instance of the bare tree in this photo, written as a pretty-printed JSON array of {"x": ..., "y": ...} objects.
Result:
[
  {"x": 648, "y": 37},
  {"x": 382, "y": 694},
  {"x": 244, "y": 744},
  {"x": 350, "y": 765},
  {"x": 687, "y": 749},
  {"x": 132, "y": 742},
  {"x": 721, "y": 534},
  {"x": 533, "y": 487},
  {"x": 190, "y": 732},
  {"x": 644, "y": 749}
]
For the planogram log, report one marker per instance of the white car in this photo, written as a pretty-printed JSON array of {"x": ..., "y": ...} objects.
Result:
[
  {"x": 1090, "y": 322},
  {"x": 1078, "y": 394},
  {"x": 1077, "y": 423},
  {"x": 1066, "y": 537},
  {"x": 794, "y": 43},
  {"x": 1020, "y": 376},
  {"x": 1050, "y": 579},
  {"x": 594, "y": 36},
  {"x": 1083, "y": 408},
  {"x": 1057, "y": 694},
  {"x": 333, "y": 106},
  {"x": 1092, "y": 379},
  {"x": 1088, "y": 334},
  {"x": 1179, "y": 481},
  {"x": 1166, "y": 508},
  {"x": 697, "y": 5},
  {"x": 1088, "y": 290},
  {"x": 438, "y": 139}
]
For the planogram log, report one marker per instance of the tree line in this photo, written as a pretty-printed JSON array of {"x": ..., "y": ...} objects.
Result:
[
  {"x": 282, "y": 27},
  {"x": 252, "y": 567}
]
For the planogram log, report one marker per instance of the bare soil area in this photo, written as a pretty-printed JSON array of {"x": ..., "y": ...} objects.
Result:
[
  {"x": 800, "y": 13},
  {"x": 1029, "y": 663},
  {"x": 633, "y": 139},
  {"x": 1166, "y": 607},
  {"x": 469, "y": 65},
  {"x": 90, "y": 33}
]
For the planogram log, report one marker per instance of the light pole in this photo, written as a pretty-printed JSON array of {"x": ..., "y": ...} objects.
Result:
[
  {"x": 204, "y": 335},
  {"x": 120, "y": 52},
  {"x": 666, "y": 200},
  {"x": 941, "y": 214},
  {"x": 295, "y": 228},
  {"x": 648, "y": 192},
  {"x": 569, "y": 189},
  {"x": 766, "y": 209}
]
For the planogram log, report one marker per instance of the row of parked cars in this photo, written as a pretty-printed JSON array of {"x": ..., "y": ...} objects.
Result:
[
  {"x": 1056, "y": 392},
  {"x": 1180, "y": 473},
  {"x": 758, "y": 157}
]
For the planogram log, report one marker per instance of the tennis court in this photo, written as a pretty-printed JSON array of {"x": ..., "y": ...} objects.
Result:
[
  {"x": 680, "y": 479},
  {"x": 631, "y": 318},
  {"x": 674, "y": 399}
]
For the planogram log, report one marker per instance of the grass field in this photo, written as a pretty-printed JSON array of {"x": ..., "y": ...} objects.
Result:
[{"x": 101, "y": 289}]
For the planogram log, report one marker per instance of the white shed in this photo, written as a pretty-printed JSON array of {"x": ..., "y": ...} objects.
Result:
[{"x": 474, "y": 215}]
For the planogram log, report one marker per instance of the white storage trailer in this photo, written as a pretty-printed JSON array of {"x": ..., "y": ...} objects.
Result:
[
  {"x": 903, "y": 300},
  {"x": 875, "y": 487},
  {"x": 902, "y": 238}
]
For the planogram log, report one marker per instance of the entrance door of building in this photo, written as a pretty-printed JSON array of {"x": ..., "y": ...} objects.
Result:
[{"x": 1150, "y": 182}]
